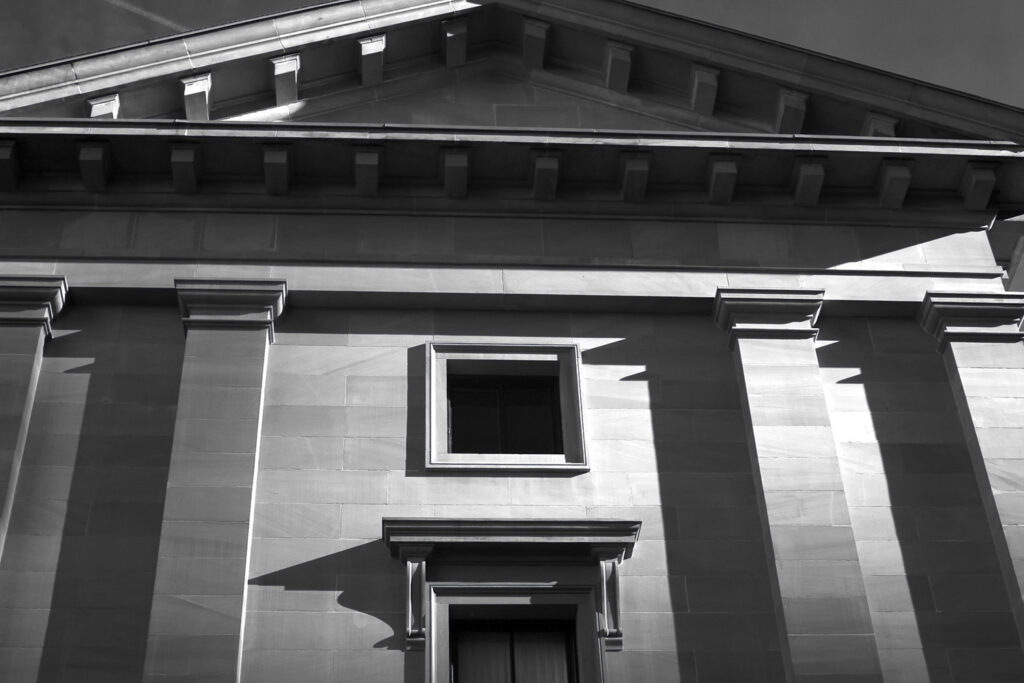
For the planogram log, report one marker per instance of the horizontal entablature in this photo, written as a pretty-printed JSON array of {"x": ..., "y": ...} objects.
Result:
[
  {"x": 180, "y": 163},
  {"x": 689, "y": 290}
]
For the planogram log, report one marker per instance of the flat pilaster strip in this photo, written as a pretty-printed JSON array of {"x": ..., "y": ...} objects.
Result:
[
  {"x": 772, "y": 335},
  {"x": 979, "y": 336},
  {"x": 206, "y": 534},
  {"x": 27, "y": 308}
]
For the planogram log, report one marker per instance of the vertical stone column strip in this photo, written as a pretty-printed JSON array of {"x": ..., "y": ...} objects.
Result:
[
  {"x": 27, "y": 308},
  {"x": 979, "y": 338},
  {"x": 817, "y": 585},
  {"x": 198, "y": 612}
]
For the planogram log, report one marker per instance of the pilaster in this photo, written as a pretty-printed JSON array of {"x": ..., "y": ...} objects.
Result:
[
  {"x": 825, "y": 628},
  {"x": 27, "y": 308},
  {"x": 198, "y": 611},
  {"x": 979, "y": 337}
]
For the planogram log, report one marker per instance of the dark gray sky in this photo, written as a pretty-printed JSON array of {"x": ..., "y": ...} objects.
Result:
[{"x": 967, "y": 45}]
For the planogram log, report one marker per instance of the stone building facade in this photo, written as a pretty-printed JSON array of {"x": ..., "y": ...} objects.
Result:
[{"x": 420, "y": 341}]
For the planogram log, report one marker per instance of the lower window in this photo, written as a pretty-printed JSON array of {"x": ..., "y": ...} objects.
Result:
[
  {"x": 513, "y": 650},
  {"x": 508, "y": 633}
]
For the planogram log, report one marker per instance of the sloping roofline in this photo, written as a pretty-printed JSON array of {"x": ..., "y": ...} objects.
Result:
[{"x": 289, "y": 31}]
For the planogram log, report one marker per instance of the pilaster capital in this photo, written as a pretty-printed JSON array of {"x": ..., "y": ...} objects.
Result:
[
  {"x": 32, "y": 300},
  {"x": 973, "y": 316},
  {"x": 231, "y": 304},
  {"x": 768, "y": 313}
]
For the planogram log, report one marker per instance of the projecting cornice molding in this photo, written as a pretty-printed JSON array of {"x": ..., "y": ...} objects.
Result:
[
  {"x": 970, "y": 316},
  {"x": 32, "y": 300},
  {"x": 343, "y": 166},
  {"x": 603, "y": 538},
  {"x": 231, "y": 304},
  {"x": 414, "y": 541},
  {"x": 768, "y": 313}
]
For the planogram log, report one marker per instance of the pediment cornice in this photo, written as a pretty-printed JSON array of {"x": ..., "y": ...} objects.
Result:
[
  {"x": 753, "y": 80},
  {"x": 349, "y": 167}
]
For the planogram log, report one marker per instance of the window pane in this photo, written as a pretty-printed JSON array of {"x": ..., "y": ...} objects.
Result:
[
  {"x": 532, "y": 423},
  {"x": 541, "y": 656},
  {"x": 504, "y": 414},
  {"x": 483, "y": 657},
  {"x": 475, "y": 421}
]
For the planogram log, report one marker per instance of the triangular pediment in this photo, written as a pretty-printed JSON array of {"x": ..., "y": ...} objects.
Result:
[
  {"x": 491, "y": 93},
  {"x": 585, "y": 64}
]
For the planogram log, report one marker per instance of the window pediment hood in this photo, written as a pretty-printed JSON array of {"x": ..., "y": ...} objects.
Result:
[{"x": 603, "y": 537}]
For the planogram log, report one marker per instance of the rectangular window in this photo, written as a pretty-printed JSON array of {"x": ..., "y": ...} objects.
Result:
[
  {"x": 503, "y": 414},
  {"x": 503, "y": 406},
  {"x": 512, "y": 651},
  {"x": 513, "y": 632}
]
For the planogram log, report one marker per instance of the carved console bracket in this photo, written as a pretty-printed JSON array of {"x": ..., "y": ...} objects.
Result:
[
  {"x": 32, "y": 300},
  {"x": 240, "y": 304},
  {"x": 413, "y": 540},
  {"x": 768, "y": 313},
  {"x": 611, "y": 628},
  {"x": 973, "y": 316}
]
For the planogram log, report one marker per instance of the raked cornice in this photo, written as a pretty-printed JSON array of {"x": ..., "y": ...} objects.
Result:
[{"x": 805, "y": 73}]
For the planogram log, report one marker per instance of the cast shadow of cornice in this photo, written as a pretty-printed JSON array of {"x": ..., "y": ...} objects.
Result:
[{"x": 348, "y": 573}]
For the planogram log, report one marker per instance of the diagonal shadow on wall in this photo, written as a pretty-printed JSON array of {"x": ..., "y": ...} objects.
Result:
[
  {"x": 937, "y": 600},
  {"x": 360, "y": 576},
  {"x": 117, "y": 458}
]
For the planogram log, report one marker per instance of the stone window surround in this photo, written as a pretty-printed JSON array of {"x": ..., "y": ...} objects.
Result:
[
  {"x": 446, "y": 596},
  {"x": 572, "y": 459},
  {"x": 596, "y": 603}
]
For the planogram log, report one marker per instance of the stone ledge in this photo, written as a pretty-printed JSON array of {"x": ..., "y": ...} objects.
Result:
[
  {"x": 600, "y": 536},
  {"x": 239, "y": 304},
  {"x": 768, "y": 313},
  {"x": 973, "y": 316},
  {"x": 32, "y": 300}
]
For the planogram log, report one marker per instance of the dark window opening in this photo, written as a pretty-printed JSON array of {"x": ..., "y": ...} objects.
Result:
[
  {"x": 513, "y": 651},
  {"x": 504, "y": 414}
]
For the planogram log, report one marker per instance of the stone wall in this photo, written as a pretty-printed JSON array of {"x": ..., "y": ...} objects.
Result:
[
  {"x": 76, "y": 581},
  {"x": 938, "y": 603},
  {"x": 343, "y": 447}
]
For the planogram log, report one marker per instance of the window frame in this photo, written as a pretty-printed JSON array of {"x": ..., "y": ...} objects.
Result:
[
  {"x": 444, "y": 596},
  {"x": 566, "y": 360}
]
